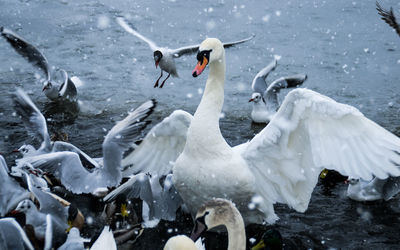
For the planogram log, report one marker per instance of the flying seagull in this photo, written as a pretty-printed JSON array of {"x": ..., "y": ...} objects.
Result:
[{"x": 165, "y": 57}]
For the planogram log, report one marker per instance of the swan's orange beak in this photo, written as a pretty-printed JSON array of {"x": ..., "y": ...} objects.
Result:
[{"x": 201, "y": 65}]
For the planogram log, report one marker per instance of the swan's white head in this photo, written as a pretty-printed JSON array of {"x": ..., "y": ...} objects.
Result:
[
  {"x": 210, "y": 50},
  {"x": 213, "y": 213}
]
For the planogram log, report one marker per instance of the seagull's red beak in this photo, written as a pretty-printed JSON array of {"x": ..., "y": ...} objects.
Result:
[
  {"x": 251, "y": 100},
  {"x": 156, "y": 63},
  {"x": 201, "y": 65}
]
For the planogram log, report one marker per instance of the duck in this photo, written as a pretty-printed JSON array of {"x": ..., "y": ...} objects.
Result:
[
  {"x": 54, "y": 91},
  {"x": 165, "y": 57},
  {"x": 221, "y": 212},
  {"x": 265, "y": 97},
  {"x": 283, "y": 161}
]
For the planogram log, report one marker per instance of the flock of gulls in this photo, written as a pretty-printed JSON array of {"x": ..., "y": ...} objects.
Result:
[{"x": 185, "y": 163}]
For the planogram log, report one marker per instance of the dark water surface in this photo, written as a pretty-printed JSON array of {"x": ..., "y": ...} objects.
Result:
[{"x": 347, "y": 52}]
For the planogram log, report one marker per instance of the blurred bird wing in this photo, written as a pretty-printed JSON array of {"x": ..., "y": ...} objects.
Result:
[
  {"x": 27, "y": 50},
  {"x": 105, "y": 240},
  {"x": 31, "y": 116},
  {"x": 161, "y": 146},
  {"x": 121, "y": 21}
]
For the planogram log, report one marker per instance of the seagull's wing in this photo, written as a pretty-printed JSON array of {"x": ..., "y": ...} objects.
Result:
[
  {"x": 67, "y": 167},
  {"x": 160, "y": 148},
  {"x": 309, "y": 132},
  {"x": 194, "y": 48},
  {"x": 12, "y": 236},
  {"x": 170, "y": 200},
  {"x": 27, "y": 50},
  {"x": 31, "y": 116},
  {"x": 121, "y": 21},
  {"x": 105, "y": 241},
  {"x": 67, "y": 89},
  {"x": 259, "y": 85},
  {"x": 60, "y": 146},
  {"x": 138, "y": 186},
  {"x": 271, "y": 94},
  {"x": 388, "y": 17},
  {"x": 11, "y": 193},
  {"x": 48, "y": 239},
  {"x": 125, "y": 132},
  {"x": 48, "y": 204}
]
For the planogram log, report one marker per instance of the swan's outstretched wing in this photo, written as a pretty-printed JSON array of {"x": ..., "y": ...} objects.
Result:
[
  {"x": 12, "y": 236},
  {"x": 125, "y": 132},
  {"x": 31, "y": 116},
  {"x": 27, "y": 50},
  {"x": 194, "y": 48},
  {"x": 121, "y": 21},
  {"x": 259, "y": 85},
  {"x": 160, "y": 148},
  {"x": 388, "y": 17},
  {"x": 311, "y": 131}
]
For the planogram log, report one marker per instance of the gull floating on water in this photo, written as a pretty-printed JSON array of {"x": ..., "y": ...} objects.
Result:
[
  {"x": 67, "y": 165},
  {"x": 282, "y": 163},
  {"x": 265, "y": 97},
  {"x": 65, "y": 90},
  {"x": 165, "y": 57}
]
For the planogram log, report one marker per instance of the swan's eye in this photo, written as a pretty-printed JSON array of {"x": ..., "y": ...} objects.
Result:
[{"x": 202, "y": 54}]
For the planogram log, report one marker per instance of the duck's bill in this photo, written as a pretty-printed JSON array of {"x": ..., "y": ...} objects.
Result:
[
  {"x": 198, "y": 229},
  {"x": 201, "y": 65},
  {"x": 259, "y": 246}
]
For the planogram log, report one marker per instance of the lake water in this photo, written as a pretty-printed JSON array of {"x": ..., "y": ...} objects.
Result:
[{"x": 348, "y": 53}]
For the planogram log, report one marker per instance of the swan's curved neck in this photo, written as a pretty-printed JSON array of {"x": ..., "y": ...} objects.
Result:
[
  {"x": 236, "y": 232},
  {"x": 204, "y": 128}
]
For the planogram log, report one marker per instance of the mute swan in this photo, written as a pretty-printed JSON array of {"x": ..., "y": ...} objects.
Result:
[
  {"x": 165, "y": 57},
  {"x": 265, "y": 97},
  {"x": 281, "y": 163},
  {"x": 217, "y": 212}
]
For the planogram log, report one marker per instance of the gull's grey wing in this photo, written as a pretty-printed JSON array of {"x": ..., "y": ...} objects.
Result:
[
  {"x": 11, "y": 193},
  {"x": 391, "y": 188},
  {"x": 12, "y": 236},
  {"x": 194, "y": 48},
  {"x": 125, "y": 132},
  {"x": 32, "y": 118},
  {"x": 170, "y": 199},
  {"x": 271, "y": 94},
  {"x": 67, "y": 167},
  {"x": 48, "y": 204},
  {"x": 67, "y": 88},
  {"x": 121, "y": 21},
  {"x": 27, "y": 50},
  {"x": 60, "y": 146},
  {"x": 138, "y": 186},
  {"x": 388, "y": 17},
  {"x": 259, "y": 85}
]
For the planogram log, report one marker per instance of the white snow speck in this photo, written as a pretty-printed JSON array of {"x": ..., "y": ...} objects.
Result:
[
  {"x": 266, "y": 18},
  {"x": 366, "y": 50},
  {"x": 277, "y": 57},
  {"x": 278, "y": 13},
  {"x": 103, "y": 22},
  {"x": 189, "y": 95}
]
